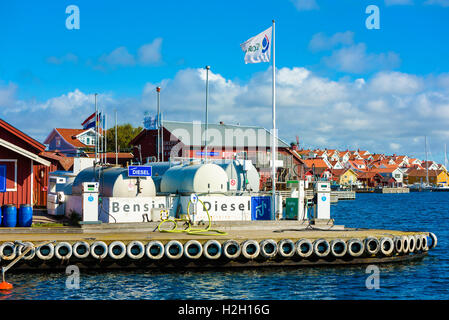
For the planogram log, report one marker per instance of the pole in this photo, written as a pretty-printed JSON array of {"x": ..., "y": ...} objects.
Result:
[
  {"x": 96, "y": 137},
  {"x": 445, "y": 156},
  {"x": 158, "y": 90},
  {"x": 207, "y": 119},
  {"x": 105, "y": 138},
  {"x": 162, "y": 139},
  {"x": 427, "y": 164},
  {"x": 273, "y": 151},
  {"x": 116, "y": 154}
]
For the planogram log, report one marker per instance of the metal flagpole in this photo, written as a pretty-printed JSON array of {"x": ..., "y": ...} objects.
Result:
[
  {"x": 96, "y": 137},
  {"x": 162, "y": 138},
  {"x": 158, "y": 90},
  {"x": 105, "y": 138},
  {"x": 273, "y": 151},
  {"x": 116, "y": 154},
  {"x": 207, "y": 119}
]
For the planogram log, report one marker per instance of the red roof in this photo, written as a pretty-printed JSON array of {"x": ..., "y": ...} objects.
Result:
[
  {"x": 69, "y": 135},
  {"x": 24, "y": 137},
  {"x": 319, "y": 163}
]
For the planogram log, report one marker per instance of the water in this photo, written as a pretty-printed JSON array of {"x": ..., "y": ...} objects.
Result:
[{"x": 424, "y": 279}]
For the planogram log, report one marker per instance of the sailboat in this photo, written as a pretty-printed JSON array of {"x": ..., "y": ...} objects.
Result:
[
  {"x": 423, "y": 187},
  {"x": 443, "y": 187}
]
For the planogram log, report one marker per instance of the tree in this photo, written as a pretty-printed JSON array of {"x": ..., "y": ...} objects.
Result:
[{"x": 125, "y": 133}]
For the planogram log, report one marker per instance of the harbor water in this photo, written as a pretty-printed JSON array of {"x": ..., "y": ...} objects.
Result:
[{"x": 427, "y": 278}]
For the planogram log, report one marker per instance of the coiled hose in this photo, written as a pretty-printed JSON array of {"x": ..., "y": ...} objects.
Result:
[{"x": 205, "y": 232}]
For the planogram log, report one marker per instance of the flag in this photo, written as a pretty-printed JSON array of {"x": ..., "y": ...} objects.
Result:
[
  {"x": 258, "y": 48},
  {"x": 89, "y": 122}
]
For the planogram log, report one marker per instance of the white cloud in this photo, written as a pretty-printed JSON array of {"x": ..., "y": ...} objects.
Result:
[
  {"x": 7, "y": 94},
  {"x": 69, "y": 57},
  {"x": 119, "y": 56},
  {"x": 322, "y": 42},
  {"x": 396, "y": 83},
  {"x": 304, "y": 5},
  {"x": 150, "y": 53},
  {"x": 398, "y": 2},
  {"x": 443, "y": 3},
  {"x": 386, "y": 112},
  {"x": 355, "y": 59}
]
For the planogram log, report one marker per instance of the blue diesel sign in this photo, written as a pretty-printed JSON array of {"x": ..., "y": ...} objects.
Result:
[
  {"x": 260, "y": 208},
  {"x": 139, "y": 171}
]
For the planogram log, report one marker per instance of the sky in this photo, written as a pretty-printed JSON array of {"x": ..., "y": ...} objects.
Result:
[{"x": 339, "y": 84}]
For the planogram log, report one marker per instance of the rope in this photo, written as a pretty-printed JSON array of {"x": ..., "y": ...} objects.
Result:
[{"x": 192, "y": 231}]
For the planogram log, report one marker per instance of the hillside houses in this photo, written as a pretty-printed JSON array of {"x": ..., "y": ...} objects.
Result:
[{"x": 352, "y": 168}]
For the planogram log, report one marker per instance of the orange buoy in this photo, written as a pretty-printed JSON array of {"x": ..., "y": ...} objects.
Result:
[{"x": 5, "y": 286}]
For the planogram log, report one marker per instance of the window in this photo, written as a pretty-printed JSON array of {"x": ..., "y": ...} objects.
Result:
[{"x": 88, "y": 141}]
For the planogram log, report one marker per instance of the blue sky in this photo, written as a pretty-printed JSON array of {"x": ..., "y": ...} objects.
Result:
[{"x": 124, "y": 49}]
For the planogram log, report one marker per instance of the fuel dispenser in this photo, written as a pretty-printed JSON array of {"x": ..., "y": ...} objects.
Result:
[
  {"x": 323, "y": 200},
  {"x": 90, "y": 201},
  {"x": 294, "y": 205}
]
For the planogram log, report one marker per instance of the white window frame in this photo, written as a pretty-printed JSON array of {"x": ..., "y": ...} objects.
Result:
[{"x": 15, "y": 173}]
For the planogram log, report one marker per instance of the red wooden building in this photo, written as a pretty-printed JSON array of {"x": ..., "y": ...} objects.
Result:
[
  {"x": 23, "y": 172},
  {"x": 187, "y": 139}
]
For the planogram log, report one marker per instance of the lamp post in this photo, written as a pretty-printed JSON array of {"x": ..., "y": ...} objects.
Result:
[{"x": 206, "y": 124}]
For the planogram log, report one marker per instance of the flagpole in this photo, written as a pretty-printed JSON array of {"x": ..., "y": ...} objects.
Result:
[
  {"x": 273, "y": 151},
  {"x": 96, "y": 136}
]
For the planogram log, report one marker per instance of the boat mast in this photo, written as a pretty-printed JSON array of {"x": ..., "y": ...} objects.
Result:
[{"x": 427, "y": 164}]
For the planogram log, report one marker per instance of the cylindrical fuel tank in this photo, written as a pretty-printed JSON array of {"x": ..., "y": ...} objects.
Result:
[
  {"x": 157, "y": 171},
  {"x": 241, "y": 172},
  {"x": 195, "y": 178},
  {"x": 114, "y": 182}
]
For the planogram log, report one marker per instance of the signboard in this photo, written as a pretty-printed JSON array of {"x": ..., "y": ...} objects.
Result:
[
  {"x": 233, "y": 184},
  {"x": 209, "y": 153},
  {"x": 261, "y": 208},
  {"x": 139, "y": 171},
  {"x": 2, "y": 178},
  {"x": 193, "y": 198}
]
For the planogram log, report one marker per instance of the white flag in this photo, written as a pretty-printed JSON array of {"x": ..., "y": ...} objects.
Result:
[{"x": 258, "y": 48}]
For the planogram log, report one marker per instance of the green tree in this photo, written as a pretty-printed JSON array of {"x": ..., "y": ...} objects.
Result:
[{"x": 125, "y": 133}]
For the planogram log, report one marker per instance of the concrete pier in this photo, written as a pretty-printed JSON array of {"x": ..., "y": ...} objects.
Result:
[{"x": 235, "y": 230}]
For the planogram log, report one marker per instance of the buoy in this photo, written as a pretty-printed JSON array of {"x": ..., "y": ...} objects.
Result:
[
  {"x": 321, "y": 247},
  {"x": 372, "y": 245},
  {"x": 193, "y": 249},
  {"x": 268, "y": 248},
  {"x": 5, "y": 285},
  {"x": 286, "y": 248},
  {"x": 135, "y": 250},
  {"x": 304, "y": 248},
  {"x": 231, "y": 249},
  {"x": 81, "y": 249},
  {"x": 250, "y": 249},
  {"x": 30, "y": 255},
  {"x": 8, "y": 251},
  {"x": 212, "y": 249},
  {"x": 174, "y": 249},
  {"x": 411, "y": 244},
  {"x": 418, "y": 241},
  {"x": 117, "y": 250},
  {"x": 155, "y": 250},
  {"x": 404, "y": 244},
  {"x": 425, "y": 243},
  {"x": 398, "y": 244},
  {"x": 46, "y": 252},
  {"x": 63, "y": 250},
  {"x": 434, "y": 240},
  {"x": 338, "y": 248},
  {"x": 355, "y": 247},
  {"x": 99, "y": 250},
  {"x": 386, "y": 246}
]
